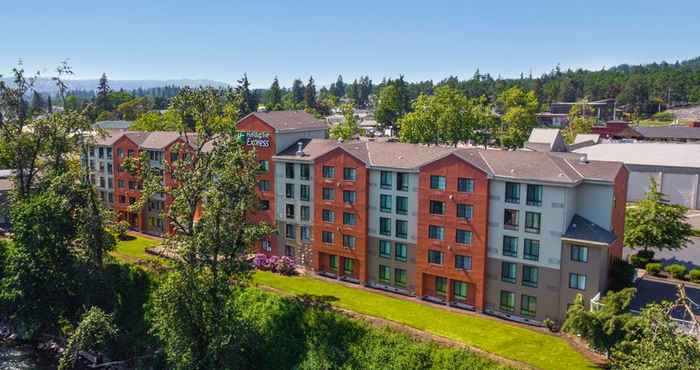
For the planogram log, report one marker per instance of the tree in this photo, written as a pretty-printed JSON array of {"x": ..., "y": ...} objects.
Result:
[
  {"x": 275, "y": 96},
  {"x": 297, "y": 93},
  {"x": 338, "y": 88},
  {"x": 95, "y": 333},
  {"x": 654, "y": 223},
  {"x": 581, "y": 121},
  {"x": 38, "y": 104},
  {"x": 102, "y": 100},
  {"x": 133, "y": 109},
  {"x": 310, "y": 94},
  {"x": 247, "y": 101},
  {"x": 519, "y": 117},
  {"x": 388, "y": 109},
  {"x": 347, "y": 129},
  {"x": 154, "y": 121}
]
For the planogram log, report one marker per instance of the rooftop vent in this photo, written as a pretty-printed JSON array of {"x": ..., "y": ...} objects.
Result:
[
  {"x": 300, "y": 149},
  {"x": 583, "y": 159}
]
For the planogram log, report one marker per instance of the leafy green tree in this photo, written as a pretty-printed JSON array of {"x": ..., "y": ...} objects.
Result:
[
  {"x": 102, "y": 100},
  {"x": 581, "y": 121},
  {"x": 297, "y": 93},
  {"x": 310, "y": 94},
  {"x": 654, "y": 223},
  {"x": 96, "y": 332},
  {"x": 133, "y": 109},
  {"x": 155, "y": 121},
  {"x": 388, "y": 109},
  {"x": 519, "y": 117},
  {"x": 275, "y": 96},
  {"x": 485, "y": 122},
  {"x": 347, "y": 129}
]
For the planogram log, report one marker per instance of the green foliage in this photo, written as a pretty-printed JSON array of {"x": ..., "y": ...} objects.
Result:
[
  {"x": 132, "y": 109},
  {"x": 95, "y": 332},
  {"x": 274, "y": 100},
  {"x": 581, "y": 120},
  {"x": 621, "y": 275},
  {"x": 653, "y": 268},
  {"x": 654, "y": 223},
  {"x": 694, "y": 275},
  {"x": 676, "y": 270},
  {"x": 310, "y": 95},
  {"x": 388, "y": 108},
  {"x": 347, "y": 129},
  {"x": 663, "y": 117},
  {"x": 155, "y": 121},
  {"x": 519, "y": 117}
]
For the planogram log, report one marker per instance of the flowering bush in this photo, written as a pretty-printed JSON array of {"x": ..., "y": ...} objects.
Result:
[{"x": 282, "y": 265}]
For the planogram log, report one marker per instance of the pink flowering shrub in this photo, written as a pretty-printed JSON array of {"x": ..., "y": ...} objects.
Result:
[{"x": 282, "y": 265}]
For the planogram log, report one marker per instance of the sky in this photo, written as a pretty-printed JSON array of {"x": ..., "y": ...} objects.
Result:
[{"x": 222, "y": 39}]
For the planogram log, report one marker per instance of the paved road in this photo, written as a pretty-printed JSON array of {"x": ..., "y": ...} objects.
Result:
[{"x": 689, "y": 256}]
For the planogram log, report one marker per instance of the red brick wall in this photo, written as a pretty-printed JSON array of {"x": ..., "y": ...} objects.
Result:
[
  {"x": 618, "y": 212},
  {"x": 339, "y": 159},
  {"x": 452, "y": 168},
  {"x": 125, "y": 144},
  {"x": 253, "y": 123}
]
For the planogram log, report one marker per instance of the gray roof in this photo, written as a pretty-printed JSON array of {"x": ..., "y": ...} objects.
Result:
[
  {"x": 159, "y": 139},
  {"x": 546, "y": 139},
  {"x": 107, "y": 137},
  {"x": 283, "y": 121},
  {"x": 113, "y": 125},
  {"x": 583, "y": 229},
  {"x": 648, "y": 154},
  {"x": 670, "y": 132},
  {"x": 582, "y": 138}
]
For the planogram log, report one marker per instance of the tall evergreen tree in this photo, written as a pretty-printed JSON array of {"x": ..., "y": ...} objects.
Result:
[
  {"x": 37, "y": 103},
  {"x": 310, "y": 94},
  {"x": 338, "y": 88},
  {"x": 248, "y": 102},
  {"x": 298, "y": 92},
  {"x": 102, "y": 100},
  {"x": 275, "y": 96}
]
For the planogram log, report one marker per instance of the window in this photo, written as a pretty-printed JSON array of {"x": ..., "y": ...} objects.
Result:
[
  {"x": 305, "y": 171},
  {"x": 385, "y": 180},
  {"x": 109, "y": 168},
  {"x": 436, "y": 232},
  {"x": 435, "y": 256},
  {"x": 328, "y": 237},
  {"x": 348, "y": 265},
  {"x": 328, "y": 194},
  {"x": 437, "y": 182},
  {"x": 349, "y": 219},
  {"x": 102, "y": 182},
  {"x": 532, "y": 250},
  {"x": 460, "y": 290},
  {"x": 463, "y": 237},
  {"x": 385, "y": 203},
  {"x": 465, "y": 211},
  {"x": 290, "y": 231},
  {"x": 333, "y": 263},
  {"x": 110, "y": 197},
  {"x": 510, "y": 219},
  {"x": 510, "y": 246},
  {"x": 305, "y": 233},
  {"x": 463, "y": 262},
  {"x": 512, "y": 192},
  {"x": 328, "y": 172},
  {"x": 327, "y": 215},
  {"x": 264, "y": 185},
  {"x": 349, "y": 241},
  {"x": 122, "y": 199},
  {"x": 401, "y": 252},
  {"x": 579, "y": 253},
  {"x": 437, "y": 208},
  {"x": 385, "y": 226},
  {"x": 120, "y": 184},
  {"x": 530, "y": 276},
  {"x": 528, "y": 305},
  {"x": 288, "y": 251},
  {"x": 173, "y": 156},
  {"x": 304, "y": 193},
  {"x": 132, "y": 185},
  {"x": 401, "y": 181},
  {"x": 305, "y": 213},
  {"x": 264, "y": 204},
  {"x": 349, "y": 196},
  {"x": 401, "y": 229},
  {"x": 534, "y": 195},
  {"x": 465, "y": 185},
  {"x": 400, "y": 277},
  {"x": 532, "y": 222},
  {"x": 507, "y": 301},
  {"x": 509, "y": 271},
  {"x": 384, "y": 274},
  {"x": 289, "y": 170},
  {"x": 401, "y": 205},
  {"x": 264, "y": 165},
  {"x": 266, "y": 245},
  {"x": 577, "y": 281},
  {"x": 101, "y": 152},
  {"x": 349, "y": 174},
  {"x": 110, "y": 183},
  {"x": 290, "y": 211},
  {"x": 384, "y": 248},
  {"x": 120, "y": 153},
  {"x": 289, "y": 191},
  {"x": 441, "y": 286}
]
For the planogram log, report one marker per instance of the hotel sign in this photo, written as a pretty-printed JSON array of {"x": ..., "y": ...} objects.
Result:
[{"x": 259, "y": 139}]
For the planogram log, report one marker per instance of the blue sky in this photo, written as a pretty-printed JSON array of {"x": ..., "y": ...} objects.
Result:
[{"x": 220, "y": 40}]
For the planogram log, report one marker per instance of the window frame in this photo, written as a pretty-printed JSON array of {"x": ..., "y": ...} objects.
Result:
[
  {"x": 438, "y": 182},
  {"x": 507, "y": 277},
  {"x": 531, "y": 244},
  {"x": 534, "y": 195},
  {"x": 465, "y": 184},
  {"x": 512, "y": 192},
  {"x": 436, "y": 253}
]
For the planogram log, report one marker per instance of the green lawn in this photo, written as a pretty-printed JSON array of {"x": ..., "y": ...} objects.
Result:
[
  {"x": 134, "y": 249},
  {"x": 514, "y": 342}
]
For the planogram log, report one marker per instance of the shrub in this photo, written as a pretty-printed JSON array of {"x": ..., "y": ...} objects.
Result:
[
  {"x": 694, "y": 275},
  {"x": 549, "y": 324},
  {"x": 120, "y": 228},
  {"x": 641, "y": 259},
  {"x": 653, "y": 268},
  {"x": 676, "y": 270},
  {"x": 284, "y": 266},
  {"x": 646, "y": 254},
  {"x": 663, "y": 116},
  {"x": 621, "y": 275},
  {"x": 259, "y": 261}
]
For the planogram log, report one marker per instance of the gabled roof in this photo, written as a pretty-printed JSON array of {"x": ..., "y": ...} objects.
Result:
[
  {"x": 584, "y": 230},
  {"x": 669, "y": 132},
  {"x": 546, "y": 140},
  {"x": 285, "y": 121},
  {"x": 159, "y": 139},
  {"x": 107, "y": 137}
]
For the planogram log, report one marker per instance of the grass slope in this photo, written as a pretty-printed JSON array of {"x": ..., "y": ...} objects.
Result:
[
  {"x": 134, "y": 249},
  {"x": 500, "y": 338}
]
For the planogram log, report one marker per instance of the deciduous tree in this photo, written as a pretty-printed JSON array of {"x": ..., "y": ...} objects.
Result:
[{"x": 347, "y": 129}]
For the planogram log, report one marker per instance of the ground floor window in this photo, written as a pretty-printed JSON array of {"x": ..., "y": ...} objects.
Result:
[
  {"x": 348, "y": 266},
  {"x": 384, "y": 274},
  {"x": 333, "y": 263},
  {"x": 441, "y": 286},
  {"x": 400, "y": 277},
  {"x": 507, "y": 301},
  {"x": 528, "y": 305},
  {"x": 460, "y": 290}
]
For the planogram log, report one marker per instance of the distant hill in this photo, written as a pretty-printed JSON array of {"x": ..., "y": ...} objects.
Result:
[{"x": 45, "y": 85}]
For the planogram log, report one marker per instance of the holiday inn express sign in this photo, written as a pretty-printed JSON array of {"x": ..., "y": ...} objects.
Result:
[{"x": 260, "y": 139}]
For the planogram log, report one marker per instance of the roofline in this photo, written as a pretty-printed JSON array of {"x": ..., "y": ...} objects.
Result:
[
  {"x": 347, "y": 152},
  {"x": 275, "y": 129},
  {"x": 567, "y": 239},
  {"x": 452, "y": 152}
]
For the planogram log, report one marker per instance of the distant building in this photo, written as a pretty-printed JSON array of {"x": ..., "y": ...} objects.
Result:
[
  {"x": 546, "y": 140},
  {"x": 616, "y": 130},
  {"x": 557, "y": 116},
  {"x": 669, "y": 133}
]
